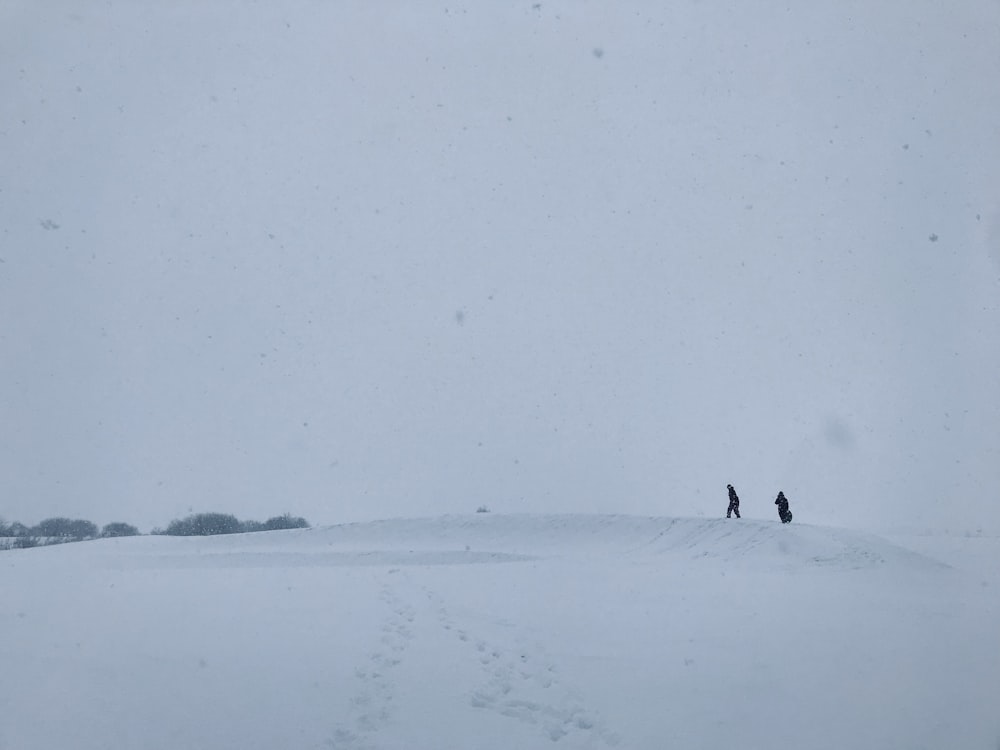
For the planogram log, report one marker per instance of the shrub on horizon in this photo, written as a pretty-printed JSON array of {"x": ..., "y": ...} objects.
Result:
[
  {"x": 204, "y": 524},
  {"x": 65, "y": 529},
  {"x": 119, "y": 529},
  {"x": 286, "y": 521}
]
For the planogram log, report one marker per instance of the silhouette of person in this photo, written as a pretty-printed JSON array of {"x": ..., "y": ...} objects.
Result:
[
  {"x": 783, "y": 513},
  {"x": 734, "y": 502}
]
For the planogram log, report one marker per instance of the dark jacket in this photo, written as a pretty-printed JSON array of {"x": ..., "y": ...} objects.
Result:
[{"x": 783, "y": 513}]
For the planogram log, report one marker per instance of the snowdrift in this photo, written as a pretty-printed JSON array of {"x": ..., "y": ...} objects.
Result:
[{"x": 489, "y": 538}]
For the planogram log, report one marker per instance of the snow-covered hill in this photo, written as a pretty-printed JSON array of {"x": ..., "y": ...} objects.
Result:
[
  {"x": 494, "y": 538},
  {"x": 494, "y": 632}
]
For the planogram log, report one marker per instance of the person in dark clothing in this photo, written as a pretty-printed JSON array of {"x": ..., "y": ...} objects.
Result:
[
  {"x": 783, "y": 513},
  {"x": 734, "y": 502}
]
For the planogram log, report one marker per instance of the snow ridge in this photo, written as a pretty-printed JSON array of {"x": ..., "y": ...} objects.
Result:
[{"x": 497, "y": 538}]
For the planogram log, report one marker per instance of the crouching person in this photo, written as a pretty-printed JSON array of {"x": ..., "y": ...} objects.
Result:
[{"x": 783, "y": 513}]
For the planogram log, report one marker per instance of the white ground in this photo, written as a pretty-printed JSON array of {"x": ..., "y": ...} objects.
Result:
[{"x": 499, "y": 632}]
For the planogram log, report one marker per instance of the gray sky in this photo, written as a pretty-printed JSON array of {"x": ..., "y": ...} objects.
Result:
[{"x": 353, "y": 262}]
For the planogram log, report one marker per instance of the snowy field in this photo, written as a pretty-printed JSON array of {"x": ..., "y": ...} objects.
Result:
[{"x": 504, "y": 631}]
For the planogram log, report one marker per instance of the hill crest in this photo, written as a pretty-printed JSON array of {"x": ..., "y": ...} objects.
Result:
[{"x": 494, "y": 538}]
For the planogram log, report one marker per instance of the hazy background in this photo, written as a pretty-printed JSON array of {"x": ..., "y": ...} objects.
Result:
[{"x": 353, "y": 260}]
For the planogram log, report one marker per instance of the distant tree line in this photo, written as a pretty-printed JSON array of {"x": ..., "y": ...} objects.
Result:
[
  {"x": 210, "y": 524},
  {"x": 60, "y": 530}
]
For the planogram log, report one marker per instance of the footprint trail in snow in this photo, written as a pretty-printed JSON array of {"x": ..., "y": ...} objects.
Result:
[{"x": 522, "y": 684}]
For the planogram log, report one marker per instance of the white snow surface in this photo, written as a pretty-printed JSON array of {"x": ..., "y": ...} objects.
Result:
[{"x": 504, "y": 631}]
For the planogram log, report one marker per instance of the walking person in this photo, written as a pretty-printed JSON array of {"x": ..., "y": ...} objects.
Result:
[
  {"x": 783, "y": 513},
  {"x": 734, "y": 502}
]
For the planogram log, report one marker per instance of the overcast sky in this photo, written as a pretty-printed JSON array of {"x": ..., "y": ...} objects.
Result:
[{"x": 354, "y": 260}]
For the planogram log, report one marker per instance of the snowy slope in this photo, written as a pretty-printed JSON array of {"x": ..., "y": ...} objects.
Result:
[
  {"x": 496, "y": 538},
  {"x": 496, "y": 632}
]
